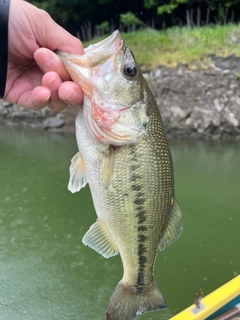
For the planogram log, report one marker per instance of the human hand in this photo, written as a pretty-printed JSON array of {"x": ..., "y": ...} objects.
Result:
[{"x": 36, "y": 76}]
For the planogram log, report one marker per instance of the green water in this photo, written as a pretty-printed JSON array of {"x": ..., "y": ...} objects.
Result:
[{"x": 46, "y": 273}]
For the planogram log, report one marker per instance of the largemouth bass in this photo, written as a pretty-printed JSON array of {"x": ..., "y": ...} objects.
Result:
[{"x": 125, "y": 158}]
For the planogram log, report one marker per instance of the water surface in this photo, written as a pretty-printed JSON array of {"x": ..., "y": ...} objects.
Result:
[{"x": 45, "y": 270}]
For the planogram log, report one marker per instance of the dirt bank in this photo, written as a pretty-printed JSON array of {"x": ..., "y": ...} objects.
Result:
[{"x": 194, "y": 104}]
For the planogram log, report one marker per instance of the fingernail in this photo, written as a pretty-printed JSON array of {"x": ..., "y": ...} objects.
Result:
[
  {"x": 42, "y": 58},
  {"x": 72, "y": 95},
  {"x": 52, "y": 79}
]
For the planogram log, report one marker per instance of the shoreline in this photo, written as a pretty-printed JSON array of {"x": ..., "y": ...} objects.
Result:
[{"x": 194, "y": 104}]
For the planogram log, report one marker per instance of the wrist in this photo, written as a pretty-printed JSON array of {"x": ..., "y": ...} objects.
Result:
[{"x": 4, "y": 13}]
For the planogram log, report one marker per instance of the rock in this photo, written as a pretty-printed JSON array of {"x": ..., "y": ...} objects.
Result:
[
  {"x": 12, "y": 114},
  {"x": 178, "y": 112},
  {"x": 201, "y": 104},
  {"x": 216, "y": 121},
  {"x": 227, "y": 63},
  {"x": 218, "y": 105},
  {"x": 56, "y": 122},
  {"x": 5, "y": 104},
  {"x": 232, "y": 119},
  {"x": 223, "y": 63}
]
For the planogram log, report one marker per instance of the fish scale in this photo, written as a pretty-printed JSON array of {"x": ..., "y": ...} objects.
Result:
[{"x": 127, "y": 163}]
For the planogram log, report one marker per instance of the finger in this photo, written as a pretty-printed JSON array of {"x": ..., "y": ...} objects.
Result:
[
  {"x": 38, "y": 98},
  {"x": 71, "y": 93},
  {"x": 49, "y": 61},
  {"x": 54, "y": 37},
  {"x": 52, "y": 81}
]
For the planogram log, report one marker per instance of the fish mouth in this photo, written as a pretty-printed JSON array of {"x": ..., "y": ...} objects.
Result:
[
  {"x": 82, "y": 67},
  {"x": 94, "y": 54},
  {"x": 106, "y": 44}
]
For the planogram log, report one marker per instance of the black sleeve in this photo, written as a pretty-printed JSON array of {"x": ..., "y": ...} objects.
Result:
[{"x": 4, "y": 12}]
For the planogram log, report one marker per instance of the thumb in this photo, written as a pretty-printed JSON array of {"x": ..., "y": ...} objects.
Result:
[{"x": 52, "y": 36}]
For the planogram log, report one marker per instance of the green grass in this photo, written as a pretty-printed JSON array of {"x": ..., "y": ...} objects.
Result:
[{"x": 182, "y": 45}]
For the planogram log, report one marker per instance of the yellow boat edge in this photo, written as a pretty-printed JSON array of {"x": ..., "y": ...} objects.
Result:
[{"x": 212, "y": 302}]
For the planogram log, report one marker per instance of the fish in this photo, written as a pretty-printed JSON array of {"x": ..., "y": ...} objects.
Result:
[{"x": 125, "y": 158}]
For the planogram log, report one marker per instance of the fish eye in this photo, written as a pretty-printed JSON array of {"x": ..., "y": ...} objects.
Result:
[{"x": 130, "y": 70}]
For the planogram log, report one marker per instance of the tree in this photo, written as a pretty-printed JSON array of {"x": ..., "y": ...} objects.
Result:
[{"x": 130, "y": 21}]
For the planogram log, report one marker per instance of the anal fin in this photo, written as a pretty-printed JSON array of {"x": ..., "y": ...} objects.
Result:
[
  {"x": 174, "y": 227},
  {"x": 77, "y": 171},
  {"x": 98, "y": 239}
]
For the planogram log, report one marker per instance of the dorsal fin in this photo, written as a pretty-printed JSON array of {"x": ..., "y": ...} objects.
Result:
[{"x": 174, "y": 227}]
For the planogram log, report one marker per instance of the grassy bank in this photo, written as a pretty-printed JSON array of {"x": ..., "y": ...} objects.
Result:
[{"x": 183, "y": 45}]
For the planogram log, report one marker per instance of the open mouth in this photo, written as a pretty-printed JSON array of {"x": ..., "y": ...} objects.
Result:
[
  {"x": 108, "y": 44},
  {"x": 95, "y": 54}
]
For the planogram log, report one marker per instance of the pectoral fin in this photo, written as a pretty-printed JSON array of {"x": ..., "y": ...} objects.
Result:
[
  {"x": 77, "y": 170},
  {"x": 98, "y": 239},
  {"x": 174, "y": 227},
  {"x": 108, "y": 167}
]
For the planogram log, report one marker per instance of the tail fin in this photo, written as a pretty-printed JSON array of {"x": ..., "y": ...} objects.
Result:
[{"x": 128, "y": 302}]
